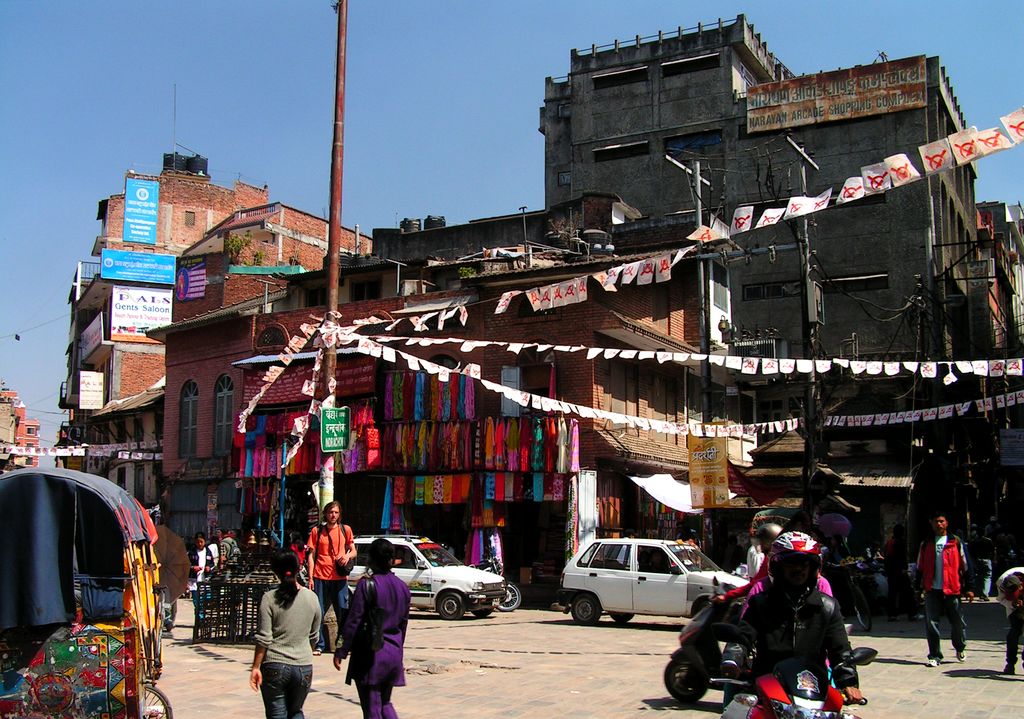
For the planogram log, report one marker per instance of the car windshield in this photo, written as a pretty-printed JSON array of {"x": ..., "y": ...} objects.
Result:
[
  {"x": 693, "y": 559},
  {"x": 437, "y": 555}
]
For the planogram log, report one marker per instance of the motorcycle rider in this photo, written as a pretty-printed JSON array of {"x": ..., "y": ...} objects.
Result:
[{"x": 793, "y": 618}]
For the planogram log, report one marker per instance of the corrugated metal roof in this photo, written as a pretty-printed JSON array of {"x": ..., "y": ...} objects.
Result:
[
  {"x": 129, "y": 404},
  {"x": 875, "y": 473},
  {"x": 235, "y": 310}
]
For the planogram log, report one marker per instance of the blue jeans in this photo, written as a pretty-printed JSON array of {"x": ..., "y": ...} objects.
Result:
[
  {"x": 333, "y": 593},
  {"x": 937, "y": 605},
  {"x": 284, "y": 689}
]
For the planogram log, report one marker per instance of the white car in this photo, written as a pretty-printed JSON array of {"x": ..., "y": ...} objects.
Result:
[
  {"x": 625, "y": 577},
  {"x": 437, "y": 580}
]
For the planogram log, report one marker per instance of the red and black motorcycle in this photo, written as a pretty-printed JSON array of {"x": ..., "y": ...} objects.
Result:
[{"x": 796, "y": 688}]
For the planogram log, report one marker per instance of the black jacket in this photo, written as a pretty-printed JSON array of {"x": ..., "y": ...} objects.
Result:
[{"x": 814, "y": 631}]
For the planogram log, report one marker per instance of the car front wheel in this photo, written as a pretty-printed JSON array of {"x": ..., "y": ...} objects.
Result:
[
  {"x": 586, "y": 609},
  {"x": 451, "y": 606}
]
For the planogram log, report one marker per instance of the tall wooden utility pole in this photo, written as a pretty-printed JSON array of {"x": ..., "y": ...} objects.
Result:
[{"x": 334, "y": 236}]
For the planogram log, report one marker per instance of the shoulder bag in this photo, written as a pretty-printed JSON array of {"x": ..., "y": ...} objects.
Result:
[
  {"x": 342, "y": 567},
  {"x": 370, "y": 636}
]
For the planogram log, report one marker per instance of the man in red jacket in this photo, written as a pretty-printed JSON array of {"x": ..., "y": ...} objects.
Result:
[{"x": 941, "y": 565}]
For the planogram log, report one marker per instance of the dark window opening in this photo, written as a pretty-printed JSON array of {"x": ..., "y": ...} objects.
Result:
[
  {"x": 720, "y": 286},
  {"x": 564, "y": 109},
  {"x": 564, "y": 179},
  {"x": 365, "y": 290},
  {"x": 623, "y": 388},
  {"x": 694, "y": 141},
  {"x": 619, "y": 152},
  {"x": 620, "y": 77},
  {"x": 316, "y": 297},
  {"x": 771, "y": 290},
  {"x": 858, "y": 283},
  {"x": 691, "y": 64}
]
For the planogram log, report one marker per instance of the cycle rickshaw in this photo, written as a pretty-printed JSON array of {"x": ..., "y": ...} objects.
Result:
[{"x": 80, "y": 600}]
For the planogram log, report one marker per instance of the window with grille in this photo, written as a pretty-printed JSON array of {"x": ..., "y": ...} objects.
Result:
[
  {"x": 188, "y": 419},
  {"x": 223, "y": 403},
  {"x": 190, "y": 218}
]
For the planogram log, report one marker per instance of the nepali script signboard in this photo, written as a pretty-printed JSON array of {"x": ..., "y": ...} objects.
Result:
[
  {"x": 709, "y": 471},
  {"x": 335, "y": 428},
  {"x": 860, "y": 91}
]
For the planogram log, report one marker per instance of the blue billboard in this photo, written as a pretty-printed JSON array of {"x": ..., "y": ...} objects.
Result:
[
  {"x": 137, "y": 267},
  {"x": 141, "y": 208}
]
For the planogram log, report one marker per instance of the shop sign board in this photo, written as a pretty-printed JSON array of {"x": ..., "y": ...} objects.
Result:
[
  {"x": 137, "y": 266},
  {"x": 709, "y": 471},
  {"x": 90, "y": 390},
  {"x": 91, "y": 337},
  {"x": 141, "y": 210},
  {"x": 1011, "y": 447},
  {"x": 355, "y": 376},
  {"x": 133, "y": 310},
  {"x": 190, "y": 282},
  {"x": 861, "y": 91},
  {"x": 335, "y": 428}
]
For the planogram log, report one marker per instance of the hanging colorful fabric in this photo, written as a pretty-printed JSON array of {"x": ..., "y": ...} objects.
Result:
[
  {"x": 499, "y": 486},
  {"x": 438, "y": 489},
  {"x": 562, "y": 459},
  {"x": 549, "y": 487},
  {"x": 538, "y": 486},
  {"x": 489, "y": 486},
  {"x": 398, "y": 492},
  {"x": 385, "y": 515},
  {"x": 574, "y": 445},
  {"x": 558, "y": 487},
  {"x": 449, "y": 493},
  {"x": 489, "y": 443},
  {"x": 420, "y": 489},
  {"x": 421, "y": 391}
]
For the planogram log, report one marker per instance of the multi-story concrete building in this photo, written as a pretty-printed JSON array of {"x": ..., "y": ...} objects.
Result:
[
  {"x": 610, "y": 123},
  {"x": 17, "y": 430}
]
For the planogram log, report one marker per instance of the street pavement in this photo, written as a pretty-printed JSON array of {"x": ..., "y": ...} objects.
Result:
[{"x": 537, "y": 663}]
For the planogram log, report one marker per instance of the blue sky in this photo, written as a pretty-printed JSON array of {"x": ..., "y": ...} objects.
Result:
[{"x": 441, "y": 110}]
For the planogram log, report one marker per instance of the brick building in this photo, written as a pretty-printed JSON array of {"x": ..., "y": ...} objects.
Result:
[
  {"x": 215, "y": 361},
  {"x": 17, "y": 430}
]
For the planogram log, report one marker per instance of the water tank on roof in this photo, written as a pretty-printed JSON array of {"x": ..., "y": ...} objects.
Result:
[
  {"x": 197, "y": 165},
  {"x": 175, "y": 162},
  {"x": 410, "y": 224},
  {"x": 432, "y": 222}
]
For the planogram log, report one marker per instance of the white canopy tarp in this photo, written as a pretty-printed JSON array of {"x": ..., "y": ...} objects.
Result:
[{"x": 665, "y": 489}]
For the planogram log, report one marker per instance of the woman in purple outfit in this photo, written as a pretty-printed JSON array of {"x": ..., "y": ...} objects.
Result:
[{"x": 377, "y": 673}]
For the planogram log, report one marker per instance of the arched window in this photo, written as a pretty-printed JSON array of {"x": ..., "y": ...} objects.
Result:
[
  {"x": 188, "y": 419},
  {"x": 223, "y": 416},
  {"x": 271, "y": 336},
  {"x": 445, "y": 361}
]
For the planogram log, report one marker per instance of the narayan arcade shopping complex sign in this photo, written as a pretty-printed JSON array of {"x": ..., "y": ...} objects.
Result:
[{"x": 875, "y": 89}]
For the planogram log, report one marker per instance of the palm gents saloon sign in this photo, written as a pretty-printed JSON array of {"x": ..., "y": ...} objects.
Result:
[{"x": 861, "y": 91}]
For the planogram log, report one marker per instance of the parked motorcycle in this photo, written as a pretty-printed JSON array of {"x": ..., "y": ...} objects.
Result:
[
  {"x": 696, "y": 662},
  {"x": 796, "y": 688},
  {"x": 513, "y": 597}
]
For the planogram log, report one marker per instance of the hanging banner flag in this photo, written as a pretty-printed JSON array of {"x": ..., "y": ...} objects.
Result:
[
  {"x": 937, "y": 156},
  {"x": 646, "y": 275},
  {"x": 901, "y": 171},
  {"x": 719, "y": 228},
  {"x": 820, "y": 202},
  {"x": 742, "y": 219},
  {"x": 505, "y": 301},
  {"x": 709, "y": 472},
  {"x": 663, "y": 268},
  {"x": 630, "y": 271},
  {"x": 798, "y": 206},
  {"x": 991, "y": 141},
  {"x": 964, "y": 144},
  {"x": 1014, "y": 124},
  {"x": 770, "y": 217},
  {"x": 703, "y": 234},
  {"x": 853, "y": 189},
  {"x": 876, "y": 178}
]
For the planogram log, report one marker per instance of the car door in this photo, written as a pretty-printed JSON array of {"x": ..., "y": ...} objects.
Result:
[
  {"x": 415, "y": 571},
  {"x": 660, "y": 586},
  {"x": 610, "y": 576}
]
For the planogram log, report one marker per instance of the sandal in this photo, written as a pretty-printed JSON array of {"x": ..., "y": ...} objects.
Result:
[{"x": 317, "y": 652}]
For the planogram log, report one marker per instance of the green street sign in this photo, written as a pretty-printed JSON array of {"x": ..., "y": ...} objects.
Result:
[{"x": 335, "y": 428}]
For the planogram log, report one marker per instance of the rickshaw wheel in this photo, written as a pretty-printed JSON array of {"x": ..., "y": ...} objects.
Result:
[{"x": 155, "y": 704}]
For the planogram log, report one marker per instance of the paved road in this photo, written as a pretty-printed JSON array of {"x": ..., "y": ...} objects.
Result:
[{"x": 533, "y": 663}]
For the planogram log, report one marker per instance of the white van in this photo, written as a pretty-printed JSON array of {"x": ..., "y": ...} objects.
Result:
[
  {"x": 437, "y": 580},
  {"x": 625, "y": 577}
]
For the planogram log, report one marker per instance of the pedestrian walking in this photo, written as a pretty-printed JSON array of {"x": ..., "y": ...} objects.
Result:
[
  {"x": 1010, "y": 586},
  {"x": 942, "y": 566},
  {"x": 289, "y": 625},
  {"x": 982, "y": 551},
  {"x": 229, "y": 550},
  {"x": 201, "y": 564},
  {"x": 376, "y": 672},
  {"x": 331, "y": 545},
  {"x": 901, "y": 597}
]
